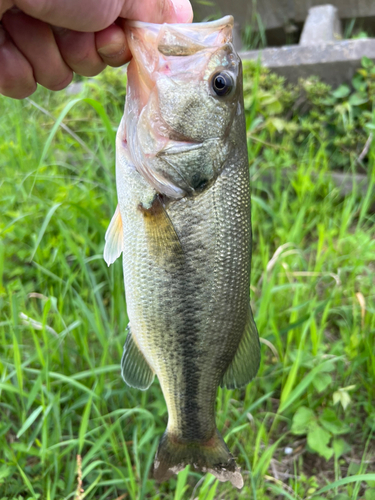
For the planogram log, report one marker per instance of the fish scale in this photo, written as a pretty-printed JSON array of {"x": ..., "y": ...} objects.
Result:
[{"x": 186, "y": 252}]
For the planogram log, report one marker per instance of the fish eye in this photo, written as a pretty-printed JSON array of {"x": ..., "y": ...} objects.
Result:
[{"x": 222, "y": 83}]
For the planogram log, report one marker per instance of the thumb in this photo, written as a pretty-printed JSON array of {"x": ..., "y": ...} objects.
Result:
[
  {"x": 81, "y": 15},
  {"x": 160, "y": 11}
]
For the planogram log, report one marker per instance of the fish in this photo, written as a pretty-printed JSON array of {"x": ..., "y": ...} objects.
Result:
[{"x": 183, "y": 226}]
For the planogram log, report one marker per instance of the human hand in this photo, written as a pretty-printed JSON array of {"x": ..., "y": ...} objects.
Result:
[{"x": 45, "y": 41}]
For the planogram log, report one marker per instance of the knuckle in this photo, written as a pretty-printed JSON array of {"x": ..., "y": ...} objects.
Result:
[
  {"x": 16, "y": 75},
  {"x": 90, "y": 70},
  {"x": 85, "y": 63},
  {"x": 79, "y": 58},
  {"x": 58, "y": 84},
  {"x": 17, "y": 91}
]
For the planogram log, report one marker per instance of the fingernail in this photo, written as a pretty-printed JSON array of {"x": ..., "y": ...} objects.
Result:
[
  {"x": 114, "y": 48},
  {"x": 183, "y": 11},
  {"x": 111, "y": 50}
]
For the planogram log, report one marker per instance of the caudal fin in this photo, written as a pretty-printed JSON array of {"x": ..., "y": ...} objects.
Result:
[{"x": 213, "y": 456}]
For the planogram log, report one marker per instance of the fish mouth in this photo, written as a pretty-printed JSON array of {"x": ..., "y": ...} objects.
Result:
[
  {"x": 177, "y": 39},
  {"x": 215, "y": 25}
]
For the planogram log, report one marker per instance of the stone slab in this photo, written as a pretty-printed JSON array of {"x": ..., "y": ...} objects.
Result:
[
  {"x": 322, "y": 26},
  {"x": 347, "y": 9},
  {"x": 334, "y": 63}
]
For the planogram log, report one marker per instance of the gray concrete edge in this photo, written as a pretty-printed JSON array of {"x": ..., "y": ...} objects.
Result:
[{"x": 334, "y": 62}]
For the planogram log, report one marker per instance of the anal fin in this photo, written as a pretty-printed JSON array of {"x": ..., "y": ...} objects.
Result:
[
  {"x": 245, "y": 364},
  {"x": 135, "y": 370},
  {"x": 114, "y": 241}
]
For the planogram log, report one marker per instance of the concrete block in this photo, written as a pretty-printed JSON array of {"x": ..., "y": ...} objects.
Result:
[
  {"x": 347, "y": 9},
  {"x": 322, "y": 26},
  {"x": 237, "y": 40},
  {"x": 334, "y": 63}
]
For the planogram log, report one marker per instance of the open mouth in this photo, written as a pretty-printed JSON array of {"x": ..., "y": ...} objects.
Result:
[{"x": 148, "y": 42}]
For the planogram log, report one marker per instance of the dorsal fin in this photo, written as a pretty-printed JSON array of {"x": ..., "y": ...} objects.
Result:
[{"x": 114, "y": 241}]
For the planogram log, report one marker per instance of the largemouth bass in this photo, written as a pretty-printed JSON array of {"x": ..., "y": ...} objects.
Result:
[{"x": 183, "y": 226}]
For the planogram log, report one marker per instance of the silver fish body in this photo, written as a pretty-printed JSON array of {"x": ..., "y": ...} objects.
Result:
[{"x": 183, "y": 224}]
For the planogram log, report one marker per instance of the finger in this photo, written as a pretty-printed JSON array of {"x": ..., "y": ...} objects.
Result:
[
  {"x": 79, "y": 15},
  {"x": 183, "y": 12},
  {"x": 95, "y": 15},
  {"x": 36, "y": 42},
  {"x": 161, "y": 11},
  {"x": 78, "y": 50},
  {"x": 16, "y": 75},
  {"x": 4, "y": 6},
  {"x": 112, "y": 47}
]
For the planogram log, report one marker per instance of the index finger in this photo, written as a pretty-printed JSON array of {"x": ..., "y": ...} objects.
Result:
[{"x": 95, "y": 15}]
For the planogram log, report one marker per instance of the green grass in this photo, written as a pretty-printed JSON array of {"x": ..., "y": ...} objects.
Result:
[{"x": 63, "y": 319}]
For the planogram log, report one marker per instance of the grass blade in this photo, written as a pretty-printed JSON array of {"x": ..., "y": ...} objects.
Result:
[
  {"x": 345, "y": 480},
  {"x": 30, "y": 420},
  {"x": 181, "y": 484},
  {"x": 84, "y": 424},
  {"x": 47, "y": 219}
]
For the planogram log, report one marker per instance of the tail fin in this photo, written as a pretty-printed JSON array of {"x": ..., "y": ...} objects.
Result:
[{"x": 213, "y": 456}]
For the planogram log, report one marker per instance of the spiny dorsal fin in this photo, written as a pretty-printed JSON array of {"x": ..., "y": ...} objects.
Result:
[
  {"x": 135, "y": 370},
  {"x": 245, "y": 363},
  {"x": 114, "y": 241},
  {"x": 163, "y": 241}
]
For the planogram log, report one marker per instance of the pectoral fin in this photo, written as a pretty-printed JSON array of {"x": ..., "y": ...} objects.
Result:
[
  {"x": 163, "y": 241},
  {"x": 245, "y": 363},
  {"x": 114, "y": 241},
  {"x": 135, "y": 370}
]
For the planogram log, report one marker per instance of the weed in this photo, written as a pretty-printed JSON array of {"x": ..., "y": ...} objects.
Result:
[{"x": 69, "y": 427}]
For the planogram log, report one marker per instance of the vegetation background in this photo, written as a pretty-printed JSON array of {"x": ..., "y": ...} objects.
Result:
[{"x": 304, "y": 428}]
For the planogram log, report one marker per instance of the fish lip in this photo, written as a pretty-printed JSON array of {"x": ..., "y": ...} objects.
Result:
[{"x": 224, "y": 21}]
